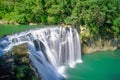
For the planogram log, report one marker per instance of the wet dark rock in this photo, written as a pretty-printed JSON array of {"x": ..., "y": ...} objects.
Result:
[
  {"x": 15, "y": 65},
  {"x": 6, "y": 67}
]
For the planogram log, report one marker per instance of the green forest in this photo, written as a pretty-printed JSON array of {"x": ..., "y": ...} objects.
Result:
[{"x": 101, "y": 17}]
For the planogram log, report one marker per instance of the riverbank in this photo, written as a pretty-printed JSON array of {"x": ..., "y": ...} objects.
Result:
[{"x": 90, "y": 46}]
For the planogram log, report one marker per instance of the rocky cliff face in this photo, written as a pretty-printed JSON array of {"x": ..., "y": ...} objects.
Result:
[
  {"x": 15, "y": 65},
  {"x": 90, "y": 46}
]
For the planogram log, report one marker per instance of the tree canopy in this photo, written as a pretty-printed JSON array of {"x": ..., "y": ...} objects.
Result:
[{"x": 102, "y": 17}]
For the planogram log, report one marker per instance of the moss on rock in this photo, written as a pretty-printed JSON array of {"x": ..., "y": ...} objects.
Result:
[{"x": 15, "y": 65}]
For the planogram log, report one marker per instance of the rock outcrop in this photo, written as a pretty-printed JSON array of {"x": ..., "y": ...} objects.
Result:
[
  {"x": 90, "y": 46},
  {"x": 15, "y": 65}
]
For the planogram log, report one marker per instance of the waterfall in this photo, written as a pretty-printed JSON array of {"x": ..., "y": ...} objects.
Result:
[{"x": 50, "y": 49}]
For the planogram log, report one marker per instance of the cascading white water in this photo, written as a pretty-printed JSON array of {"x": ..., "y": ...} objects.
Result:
[{"x": 50, "y": 49}]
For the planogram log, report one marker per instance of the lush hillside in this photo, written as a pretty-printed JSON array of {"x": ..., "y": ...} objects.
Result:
[{"x": 102, "y": 17}]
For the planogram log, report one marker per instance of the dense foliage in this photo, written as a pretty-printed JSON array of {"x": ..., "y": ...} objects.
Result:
[{"x": 102, "y": 17}]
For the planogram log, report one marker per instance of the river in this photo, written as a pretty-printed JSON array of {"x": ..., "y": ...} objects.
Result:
[{"x": 103, "y": 65}]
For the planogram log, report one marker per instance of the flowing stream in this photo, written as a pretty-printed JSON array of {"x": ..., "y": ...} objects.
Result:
[{"x": 50, "y": 49}]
